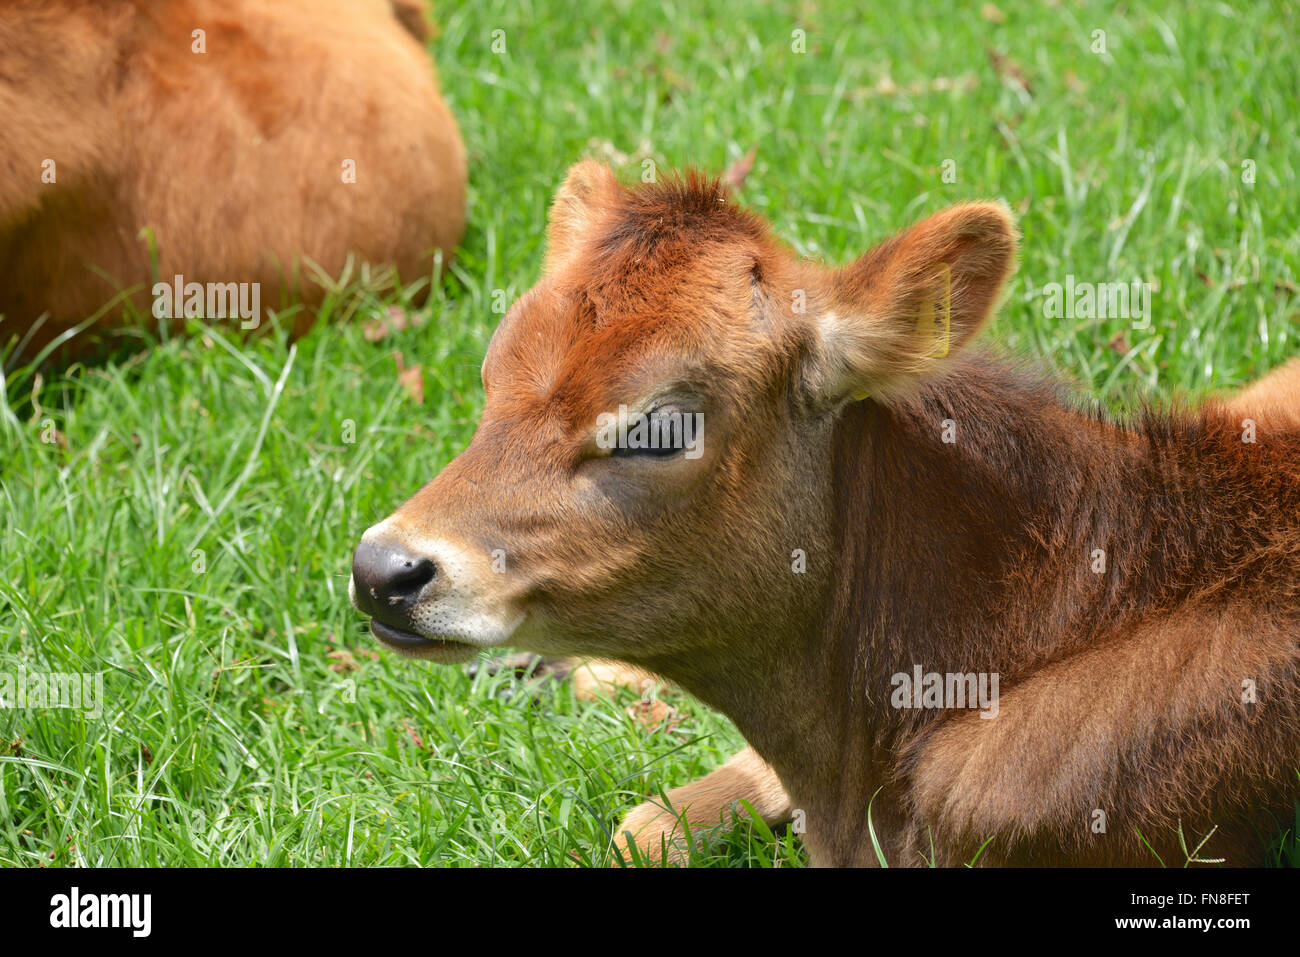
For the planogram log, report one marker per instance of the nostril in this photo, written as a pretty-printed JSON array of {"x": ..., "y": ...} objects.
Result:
[
  {"x": 387, "y": 576},
  {"x": 412, "y": 575}
]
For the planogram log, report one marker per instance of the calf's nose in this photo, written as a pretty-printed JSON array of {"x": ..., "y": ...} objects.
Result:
[{"x": 388, "y": 578}]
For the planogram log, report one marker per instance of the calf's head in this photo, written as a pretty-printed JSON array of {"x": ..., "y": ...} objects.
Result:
[{"x": 670, "y": 310}]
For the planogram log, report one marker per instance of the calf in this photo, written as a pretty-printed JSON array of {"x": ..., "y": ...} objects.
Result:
[
  {"x": 871, "y": 500},
  {"x": 224, "y": 141}
]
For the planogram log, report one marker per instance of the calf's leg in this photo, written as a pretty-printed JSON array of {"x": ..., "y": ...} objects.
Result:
[
  {"x": 658, "y": 831},
  {"x": 1104, "y": 756}
]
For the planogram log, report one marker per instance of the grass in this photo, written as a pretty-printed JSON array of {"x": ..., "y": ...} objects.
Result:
[{"x": 181, "y": 519}]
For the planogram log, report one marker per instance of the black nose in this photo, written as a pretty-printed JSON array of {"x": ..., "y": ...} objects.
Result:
[{"x": 388, "y": 579}]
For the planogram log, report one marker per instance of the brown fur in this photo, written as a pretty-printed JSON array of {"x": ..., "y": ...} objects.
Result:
[
  {"x": 1121, "y": 692},
  {"x": 233, "y": 157}
]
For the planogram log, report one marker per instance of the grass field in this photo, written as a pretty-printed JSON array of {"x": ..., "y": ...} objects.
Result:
[{"x": 182, "y": 518}]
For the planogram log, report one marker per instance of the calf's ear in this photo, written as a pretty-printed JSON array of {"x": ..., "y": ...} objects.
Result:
[
  {"x": 588, "y": 191},
  {"x": 896, "y": 314},
  {"x": 416, "y": 17}
]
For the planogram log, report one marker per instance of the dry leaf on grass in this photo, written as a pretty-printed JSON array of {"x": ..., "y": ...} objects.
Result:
[
  {"x": 391, "y": 320},
  {"x": 412, "y": 379},
  {"x": 992, "y": 14},
  {"x": 342, "y": 661},
  {"x": 415, "y": 738},
  {"x": 738, "y": 171},
  {"x": 654, "y": 713},
  {"x": 1009, "y": 69}
]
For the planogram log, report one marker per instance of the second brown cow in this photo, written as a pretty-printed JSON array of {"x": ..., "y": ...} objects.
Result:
[{"x": 212, "y": 143}]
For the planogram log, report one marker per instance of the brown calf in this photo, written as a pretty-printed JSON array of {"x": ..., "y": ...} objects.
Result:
[
  {"x": 250, "y": 140},
  {"x": 872, "y": 500}
]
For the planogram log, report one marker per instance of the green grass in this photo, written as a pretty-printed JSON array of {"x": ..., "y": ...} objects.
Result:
[{"x": 227, "y": 738}]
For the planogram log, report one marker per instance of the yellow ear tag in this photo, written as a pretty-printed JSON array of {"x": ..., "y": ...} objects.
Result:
[
  {"x": 935, "y": 319},
  {"x": 859, "y": 396}
]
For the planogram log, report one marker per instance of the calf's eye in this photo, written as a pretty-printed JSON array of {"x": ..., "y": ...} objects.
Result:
[{"x": 660, "y": 434}]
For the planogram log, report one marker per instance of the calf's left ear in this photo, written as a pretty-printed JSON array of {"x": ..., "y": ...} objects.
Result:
[
  {"x": 588, "y": 191},
  {"x": 896, "y": 314}
]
